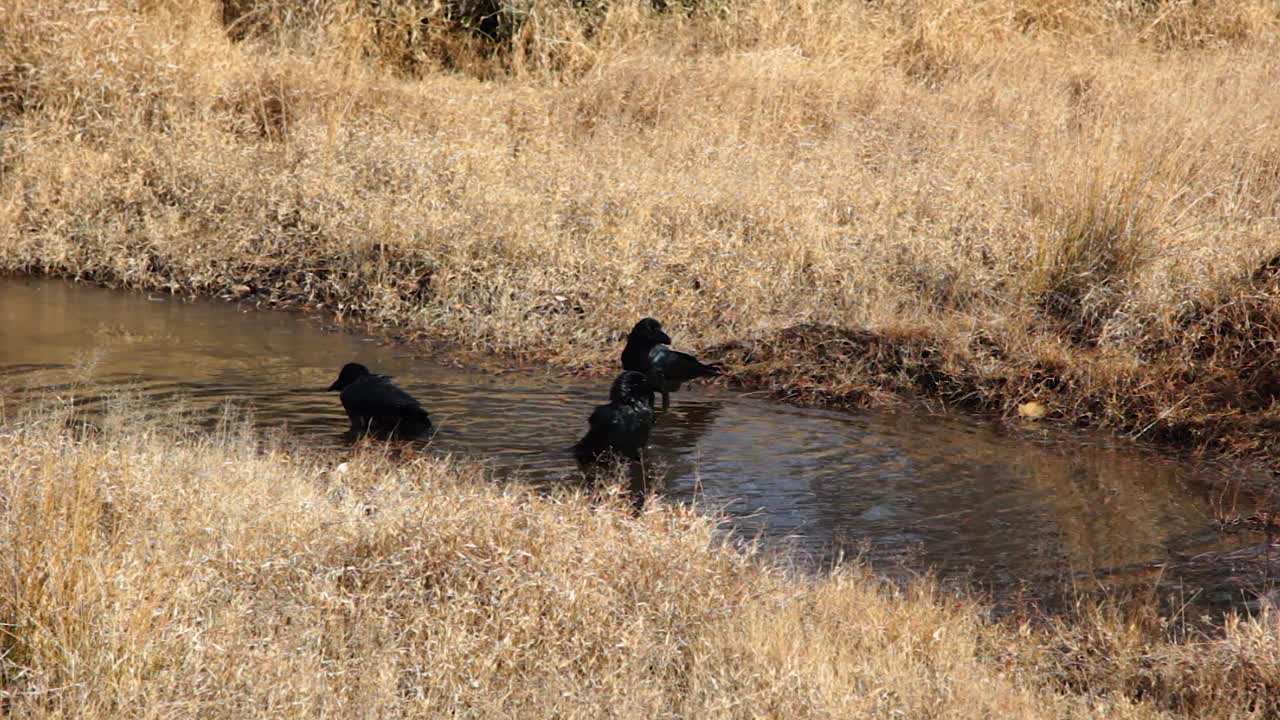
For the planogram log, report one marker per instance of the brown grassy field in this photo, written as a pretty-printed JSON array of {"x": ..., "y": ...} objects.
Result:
[
  {"x": 983, "y": 203},
  {"x": 153, "y": 572}
]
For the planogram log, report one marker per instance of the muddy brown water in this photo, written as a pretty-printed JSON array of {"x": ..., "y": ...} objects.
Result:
[{"x": 1003, "y": 510}]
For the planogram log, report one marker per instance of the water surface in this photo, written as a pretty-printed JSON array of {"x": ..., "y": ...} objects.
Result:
[{"x": 1003, "y": 509}]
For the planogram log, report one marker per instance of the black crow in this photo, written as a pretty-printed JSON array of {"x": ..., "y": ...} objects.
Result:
[
  {"x": 647, "y": 352},
  {"x": 621, "y": 427},
  {"x": 377, "y": 405}
]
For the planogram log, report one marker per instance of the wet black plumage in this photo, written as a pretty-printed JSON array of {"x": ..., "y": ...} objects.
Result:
[
  {"x": 648, "y": 352},
  {"x": 377, "y": 405},
  {"x": 622, "y": 426}
]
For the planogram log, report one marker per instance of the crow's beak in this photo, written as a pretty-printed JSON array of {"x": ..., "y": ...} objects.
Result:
[
  {"x": 333, "y": 387},
  {"x": 663, "y": 338}
]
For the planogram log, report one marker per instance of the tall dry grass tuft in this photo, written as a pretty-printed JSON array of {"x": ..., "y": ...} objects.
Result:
[
  {"x": 148, "y": 569},
  {"x": 1101, "y": 232}
]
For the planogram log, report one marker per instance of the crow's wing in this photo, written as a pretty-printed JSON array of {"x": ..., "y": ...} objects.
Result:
[
  {"x": 677, "y": 367},
  {"x": 379, "y": 397},
  {"x": 604, "y": 422},
  {"x": 604, "y": 418},
  {"x": 624, "y": 429},
  {"x": 630, "y": 428}
]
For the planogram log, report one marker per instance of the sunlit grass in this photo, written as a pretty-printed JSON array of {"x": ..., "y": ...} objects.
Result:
[{"x": 150, "y": 570}]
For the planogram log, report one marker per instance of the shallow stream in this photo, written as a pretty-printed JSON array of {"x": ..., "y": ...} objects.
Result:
[{"x": 1007, "y": 510}]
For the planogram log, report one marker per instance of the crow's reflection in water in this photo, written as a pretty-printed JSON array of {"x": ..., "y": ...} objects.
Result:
[{"x": 675, "y": 439}]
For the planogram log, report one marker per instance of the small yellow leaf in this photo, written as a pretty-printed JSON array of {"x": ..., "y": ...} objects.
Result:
[{"x": 1032, "y": 410}]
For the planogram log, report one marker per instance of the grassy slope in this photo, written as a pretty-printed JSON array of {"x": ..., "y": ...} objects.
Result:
[
  {"x": 987, "y": 203},
  {"x": 147, "y": 572}
]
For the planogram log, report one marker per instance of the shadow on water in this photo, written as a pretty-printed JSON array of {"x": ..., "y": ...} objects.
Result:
[{"x": 968, "y": 500}]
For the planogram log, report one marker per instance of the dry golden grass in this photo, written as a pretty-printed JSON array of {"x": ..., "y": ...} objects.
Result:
[
  {"x": 153, "y": 572},
  {"x": 1073, "y": 202}
]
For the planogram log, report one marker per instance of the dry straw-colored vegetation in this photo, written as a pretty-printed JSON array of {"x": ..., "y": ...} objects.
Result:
[
  {"x": 982, "y": 202},
  {"x": 153, "y": 572},
  {"x": 986, "y": 203}
]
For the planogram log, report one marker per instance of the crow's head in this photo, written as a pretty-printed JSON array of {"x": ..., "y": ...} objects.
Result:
[
  {"x": 631, "y": 387},
  {"x": 350, "y": 373},
  {"x": 649, "y": 332}
]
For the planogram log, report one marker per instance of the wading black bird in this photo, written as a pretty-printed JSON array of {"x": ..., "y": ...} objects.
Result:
[
  {"x": 621, "y": 427},
  {"x": 647, "y": 352},
  {"x": 377, "y": 405}
]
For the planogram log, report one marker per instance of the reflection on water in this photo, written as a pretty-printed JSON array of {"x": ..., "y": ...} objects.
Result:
[{"x": 965, "y": 499}]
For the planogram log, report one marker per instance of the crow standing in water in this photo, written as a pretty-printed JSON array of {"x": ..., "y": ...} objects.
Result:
[
  {"x": 621, "y": 427},
  {"x": 377, "y": 405},
  {"x": 647, "y": 352}
]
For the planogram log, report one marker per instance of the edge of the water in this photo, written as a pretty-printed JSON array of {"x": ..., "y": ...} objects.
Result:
[{"x": 911, "y": 373}]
